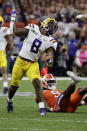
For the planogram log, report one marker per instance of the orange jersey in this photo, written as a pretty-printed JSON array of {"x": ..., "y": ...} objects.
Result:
[
  {"x": 51, "y": 96},
  {"x": 66, "y": 104}
]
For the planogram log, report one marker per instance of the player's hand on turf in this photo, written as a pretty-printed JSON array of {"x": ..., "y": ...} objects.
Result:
[{"x": 55, "y": 109}]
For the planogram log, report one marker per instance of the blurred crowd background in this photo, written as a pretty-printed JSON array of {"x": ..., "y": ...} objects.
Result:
[{"x": 71, "y": 36}]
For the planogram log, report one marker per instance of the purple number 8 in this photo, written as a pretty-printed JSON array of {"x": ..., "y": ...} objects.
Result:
[{"x": 35, "y": 46}]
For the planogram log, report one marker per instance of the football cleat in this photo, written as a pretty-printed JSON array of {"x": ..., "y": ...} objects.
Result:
[
  {"x": 42, "y": 111},
  {"x": 9, "y": 106},
  {"x": 5, "y": 90},
  {"x": 73, "y": 76}
]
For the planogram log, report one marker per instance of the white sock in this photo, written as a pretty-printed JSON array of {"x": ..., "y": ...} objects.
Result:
[
  {"x": 10, "y": 100},
  {"x": 5, "y": 84},
  {"x": 41, "y": 105}
]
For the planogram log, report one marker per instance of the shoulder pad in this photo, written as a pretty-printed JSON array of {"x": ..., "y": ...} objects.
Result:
[{"x": 33, "y": 27}]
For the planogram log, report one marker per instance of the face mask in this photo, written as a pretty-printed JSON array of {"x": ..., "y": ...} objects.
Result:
[{"x": 51, "y": 85}]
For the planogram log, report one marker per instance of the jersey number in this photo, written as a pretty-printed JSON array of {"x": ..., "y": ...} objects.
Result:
[
  {"x": 56, "y": 93},
  {"x": 35, "y": 46}
]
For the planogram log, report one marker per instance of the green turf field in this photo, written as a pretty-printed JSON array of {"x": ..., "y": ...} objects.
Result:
[{"x": 26, "y": 116}]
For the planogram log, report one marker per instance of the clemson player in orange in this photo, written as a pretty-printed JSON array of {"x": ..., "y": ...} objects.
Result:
[{"x": 62, "y": 101}]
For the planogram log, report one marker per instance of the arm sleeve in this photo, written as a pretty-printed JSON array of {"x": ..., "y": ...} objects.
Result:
[
  {"x": 32, "y": 27},
  {"x": 53, "y": 43}
]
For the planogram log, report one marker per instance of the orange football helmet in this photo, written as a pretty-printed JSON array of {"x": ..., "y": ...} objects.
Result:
[{"x": 49, "y": 82}]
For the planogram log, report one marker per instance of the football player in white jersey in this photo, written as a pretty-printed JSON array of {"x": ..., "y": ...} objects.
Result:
[
  {"x": 37, "y": 41},
  {"x": 4, "y": 39}
]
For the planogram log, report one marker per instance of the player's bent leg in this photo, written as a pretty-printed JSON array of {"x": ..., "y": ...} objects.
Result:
[
  {"x": 17, "y": 75},
  {"x": 76, "y": 98},
  {"x": 83, "y": 91},
  {"x": 70, "y": 104},
  {"x": 11, "y": 93},
  {"x": 64, "y": 98},
  {"x": 33, "y": 74},
  {"x": 71, "y": 88},
  {"x": 38, "y": 89},
  {"x": 39, "y": 95}
]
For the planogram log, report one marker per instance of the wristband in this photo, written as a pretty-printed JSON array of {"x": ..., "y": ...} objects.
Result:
[{"x": 12, "y": 18}]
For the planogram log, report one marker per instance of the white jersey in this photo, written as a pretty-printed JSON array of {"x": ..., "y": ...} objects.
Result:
[
  {"x": 35, "y": 44},
  {"x": 3, "y": 32}
]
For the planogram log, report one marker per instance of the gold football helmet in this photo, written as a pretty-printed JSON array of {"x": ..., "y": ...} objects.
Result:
[{"x": 50, "y": 24}]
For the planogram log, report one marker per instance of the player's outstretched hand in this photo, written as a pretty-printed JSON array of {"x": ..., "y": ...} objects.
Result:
[{"x": 13, "y": 15}]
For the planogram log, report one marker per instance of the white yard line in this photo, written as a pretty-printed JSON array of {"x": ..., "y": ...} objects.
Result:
[
  {"x": 20, "y": 94},
  {"x": 37, "y": 119},
  {"x": 58, "y": 78},
  {"x": 26, "y": 129},
  {"x": 9, "y": 129},
  {"x": 36, "y": 129}
]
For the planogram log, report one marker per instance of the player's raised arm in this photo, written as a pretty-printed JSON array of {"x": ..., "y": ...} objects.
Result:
[
  {"x": 20, "y": 31},
  {"x": 17, "y": 31},
  {"x": 9, "y": 40}
]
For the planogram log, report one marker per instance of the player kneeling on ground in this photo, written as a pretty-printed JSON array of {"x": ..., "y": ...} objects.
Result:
[
  {"x": 37, "y": 41},
  {"x": 62, "y": 101}
]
